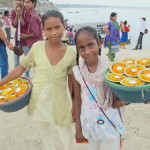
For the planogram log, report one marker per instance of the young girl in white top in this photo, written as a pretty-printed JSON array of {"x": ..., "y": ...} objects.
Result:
[{"x": 96, "y": 121}]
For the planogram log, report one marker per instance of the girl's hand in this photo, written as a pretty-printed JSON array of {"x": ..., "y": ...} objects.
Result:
[
  {"x": 18, "y": 10},
  {"x": 10, "y": 46},
  {"x": 79, "y": 136},
  {"x": 108, "y": 33},
  {"x": 23, "y": 36},
  {"x": 121, "y": 143}
]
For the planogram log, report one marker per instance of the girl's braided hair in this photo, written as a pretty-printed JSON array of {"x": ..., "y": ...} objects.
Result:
[{"x": 91, "y": 30}]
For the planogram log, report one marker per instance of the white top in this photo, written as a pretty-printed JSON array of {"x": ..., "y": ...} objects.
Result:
[
  {"x": 143, "y": 26},
  {"x": 91, "y": 113}
]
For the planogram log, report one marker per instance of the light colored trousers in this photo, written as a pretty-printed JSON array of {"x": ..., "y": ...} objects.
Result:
[
  {"x": 56, "y": 137},
  {"x": 17, "y": 58},
  {"x": 97, "y": 145}
]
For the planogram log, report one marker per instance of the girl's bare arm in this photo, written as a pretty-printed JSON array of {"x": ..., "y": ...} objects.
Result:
[
  {"x": 17, "y": 72},
  {"x": 70, "y": 83},
  {"x": 105, "y": 29},
  {"x": 118, "y": 103},
  {"x": 78, "y": 102},
  {"x": 2, "y": 36}
]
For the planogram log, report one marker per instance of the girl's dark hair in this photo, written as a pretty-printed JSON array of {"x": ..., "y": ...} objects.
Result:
[
  {"x": 113, "y": 14},
  {"x": 125, "y": 22},
  {"x": 91, "y": 30},
  {"x": 34, "y": 1},
  {"x": 52, "y": 13},
  {"x": 6, "y": 12}
]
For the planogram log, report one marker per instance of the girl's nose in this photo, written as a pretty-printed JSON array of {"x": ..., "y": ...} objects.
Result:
[
  {"x": 87, "y": 51},
  {"x": 53, "y": 32}
]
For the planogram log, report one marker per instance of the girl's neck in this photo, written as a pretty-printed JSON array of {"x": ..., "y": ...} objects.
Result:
[
  {"x": 54, "y": 45},
  {"x": 92, "y": 67}
]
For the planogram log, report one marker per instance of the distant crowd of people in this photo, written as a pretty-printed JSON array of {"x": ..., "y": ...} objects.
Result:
[
  {"x": 28, "y": 25},
  {"x": 113, "y": 40}
]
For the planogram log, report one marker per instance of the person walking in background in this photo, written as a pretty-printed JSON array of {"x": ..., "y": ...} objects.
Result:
[
  {"x": 124, "y": 38},
  {"x": 70, "y": 36},
  {"x": 143, "y": 30},
  {"x": 74, "y": 33},
  {"x": 112, "y": 38},
  {"x": 19, "y": 19},
  {"x": 34, "y": 33},
  {"x": 7, "y": 24},
  {"x": 3, "y": 54}
]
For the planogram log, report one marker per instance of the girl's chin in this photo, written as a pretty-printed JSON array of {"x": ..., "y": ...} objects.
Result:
[
  {"x": 91, "y": 60},
  {"x": 54, "y": 40}
]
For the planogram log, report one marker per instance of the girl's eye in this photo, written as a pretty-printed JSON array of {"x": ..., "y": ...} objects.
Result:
[
  {"x": 48, "y": 29},
  {"x": 81, "y": 48},
  {"x": 91, "y": 45},
  {"x": 58, "y": 27}
]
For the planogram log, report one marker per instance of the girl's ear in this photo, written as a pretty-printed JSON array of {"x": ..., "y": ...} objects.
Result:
[{"x": 64, "y": 26}]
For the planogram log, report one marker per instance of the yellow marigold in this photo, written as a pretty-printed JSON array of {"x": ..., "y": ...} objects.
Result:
[
  {"x": 144, "y": 61},
  {"x": 17, "y": 82},
  {"x": 129, "y": 61},
  {"x": 24, "y": 81},
  {"x": 145, "y": 75},
  {"x": 2, "y": 87},
  {"x": 133, "y": 70},
  {"x": 115, "y": 77},
  {"x": 2, "y": 98},
  {"x": 10, "y": 97},
  {"x": 8, "y": 90},
  {"x": 132, "y": 82},
  {"x": 118, "y": 67},
  {"x": 20, "y": 90}
]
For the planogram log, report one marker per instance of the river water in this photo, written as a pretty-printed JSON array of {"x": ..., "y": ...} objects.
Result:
[{"x": 98, "y": 15}]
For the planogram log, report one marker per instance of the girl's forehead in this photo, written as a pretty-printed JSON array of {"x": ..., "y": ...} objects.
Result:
[
  {"x": 85, "y": 37},
  {"x": 52, "y": 21}
]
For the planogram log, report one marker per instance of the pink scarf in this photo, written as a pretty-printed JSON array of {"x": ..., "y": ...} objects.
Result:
[{"x": 105, "y": 96}]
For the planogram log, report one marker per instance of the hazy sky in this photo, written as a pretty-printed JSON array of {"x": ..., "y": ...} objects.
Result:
[{"x": 136, "y": 3}]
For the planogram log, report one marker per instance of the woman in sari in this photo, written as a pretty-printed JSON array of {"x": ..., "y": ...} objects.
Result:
[
  {"x": 112, "y": 38},
  {"x": 124, "y": 38}
]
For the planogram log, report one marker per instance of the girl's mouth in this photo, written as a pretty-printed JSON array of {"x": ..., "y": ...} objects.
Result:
[
  {"x": 55, "y": 37},
  {"x": 89, "y": 57}
]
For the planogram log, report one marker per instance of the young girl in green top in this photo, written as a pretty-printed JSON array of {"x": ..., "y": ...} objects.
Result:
[{"x": 52, "y": 61}]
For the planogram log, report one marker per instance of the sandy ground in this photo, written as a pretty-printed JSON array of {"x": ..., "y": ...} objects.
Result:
[{"x": 18, "y": 132}]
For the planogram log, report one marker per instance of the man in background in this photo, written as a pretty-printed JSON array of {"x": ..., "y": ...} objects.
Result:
[
  {"x": 19, "y": 19},
  {"x": 143, "y": 30}
]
